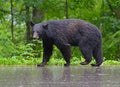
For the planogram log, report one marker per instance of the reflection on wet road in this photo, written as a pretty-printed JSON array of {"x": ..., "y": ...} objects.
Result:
[{"x": 59, "y": 76}]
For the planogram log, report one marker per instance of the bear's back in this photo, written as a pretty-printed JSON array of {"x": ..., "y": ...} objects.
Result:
[{"x": 72, "y": 25}]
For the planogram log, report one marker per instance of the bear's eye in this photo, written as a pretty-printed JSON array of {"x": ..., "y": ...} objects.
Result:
[
  {"x": 35, "y": 31},
  {"x": 38, "y": 32}
]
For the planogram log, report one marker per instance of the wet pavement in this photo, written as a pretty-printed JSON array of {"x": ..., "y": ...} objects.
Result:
[{"x": 59, "y": 76}]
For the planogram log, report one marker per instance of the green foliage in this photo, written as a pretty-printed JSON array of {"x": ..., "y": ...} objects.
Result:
[
  {"x": 4, "y": 8},
  {"x": 111, "y": 47},
  {"x": 18, "y": 51},
  {"x": 111, "y": 62},
  {"x": 111, "y": 25}
]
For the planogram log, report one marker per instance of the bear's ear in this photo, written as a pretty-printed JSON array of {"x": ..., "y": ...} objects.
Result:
[
  {"x": 45, "y": 26},
  {"x": 32, "y": 24}
]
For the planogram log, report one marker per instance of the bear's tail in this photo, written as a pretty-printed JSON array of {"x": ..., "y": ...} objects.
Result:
[{"x": 97, "y": 54}]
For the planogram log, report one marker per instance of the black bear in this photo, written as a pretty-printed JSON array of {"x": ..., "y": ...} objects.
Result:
[{"x": 67, "y": 33}]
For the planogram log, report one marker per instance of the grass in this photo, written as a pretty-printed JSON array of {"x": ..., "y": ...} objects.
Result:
[{"x": 53, "y": 61}]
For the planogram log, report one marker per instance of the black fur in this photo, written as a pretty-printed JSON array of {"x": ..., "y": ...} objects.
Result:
[{"x": 70, "y": 32}]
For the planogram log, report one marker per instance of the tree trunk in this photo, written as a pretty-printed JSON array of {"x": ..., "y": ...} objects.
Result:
[
  {"x": 28, "y": 33},
  {"x": 67, "y": 9},
  {"x": 12, "y": 26},
  {"x": 38, "y": 15}
]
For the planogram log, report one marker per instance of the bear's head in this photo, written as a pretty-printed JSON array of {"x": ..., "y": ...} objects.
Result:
[{"x": 37, "y": 29}]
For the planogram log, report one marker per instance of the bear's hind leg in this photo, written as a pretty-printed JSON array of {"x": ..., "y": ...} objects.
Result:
[
  {"x": 86, "y": 51},
  {"x": 97, "y": 54},
  {"x": 66, "y": 52},
  {"x": 87, "y": 56}
]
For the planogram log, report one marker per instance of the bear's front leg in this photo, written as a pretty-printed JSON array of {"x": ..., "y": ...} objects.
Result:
[{"x": 47, "y": 52}]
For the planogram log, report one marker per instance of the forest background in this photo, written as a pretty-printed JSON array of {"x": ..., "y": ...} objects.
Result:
[{"x": 16, "y": 43}]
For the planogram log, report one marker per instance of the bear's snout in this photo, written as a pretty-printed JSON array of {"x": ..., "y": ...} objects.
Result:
[{"x": 35, "y": 35}]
